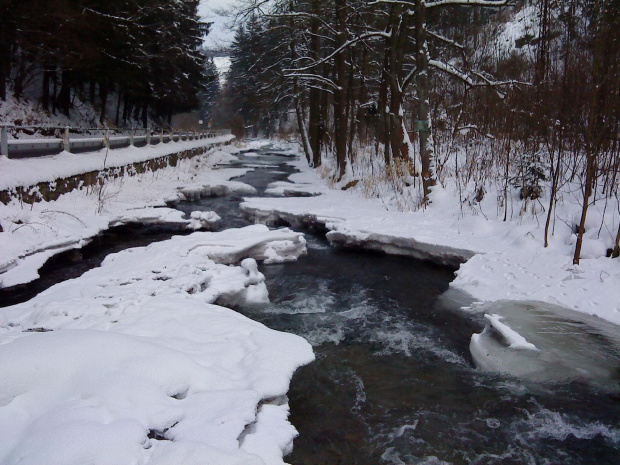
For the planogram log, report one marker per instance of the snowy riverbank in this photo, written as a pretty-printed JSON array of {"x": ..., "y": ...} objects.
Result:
[
  {"x": 137, "y": 353},
  {"x": 33, "y": 233},
  {"x": 503, "y": 260},
  {"x": 133, "y": 363}
]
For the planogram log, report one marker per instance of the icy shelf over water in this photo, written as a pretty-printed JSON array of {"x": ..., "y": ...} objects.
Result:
[
  {"x": 133, "y": 363},
  {"x": 547, "y": 343}
]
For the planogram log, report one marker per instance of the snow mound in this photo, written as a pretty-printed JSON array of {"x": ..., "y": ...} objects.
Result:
[
  {"x": 194, "y": 192},
  {"x": 511, "y": 338},
  {"x": 135, "y": 354},
  {"x": 288, "y": 189},
  {"x": 204, "y": 220},
  {"x": 220, "y": 157}
]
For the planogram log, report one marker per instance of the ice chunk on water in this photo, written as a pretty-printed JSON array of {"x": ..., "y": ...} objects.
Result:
[
  {"x": 563, "y": 345},
  {"x": 513, "y": 339},
  {"x": 204, "y": 220}
]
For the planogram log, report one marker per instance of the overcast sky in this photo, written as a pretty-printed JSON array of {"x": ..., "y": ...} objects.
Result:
[{"x": 213, "y": 11}]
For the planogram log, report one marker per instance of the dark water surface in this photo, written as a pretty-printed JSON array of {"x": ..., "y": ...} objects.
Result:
[
  {"x": 394, "y": 381},
  {"x": 73, "y": 263}
]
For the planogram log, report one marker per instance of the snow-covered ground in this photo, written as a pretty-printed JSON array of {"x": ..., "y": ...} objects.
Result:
[
  {"x": 133, "y": 363},
  {"x": 505, "y": 260},
  {"x": 138, "y": 354},
  {"x": 32, "y": 233}
]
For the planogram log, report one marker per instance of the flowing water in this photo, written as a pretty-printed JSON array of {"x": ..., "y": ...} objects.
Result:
[{"x": 394, "y": 381}]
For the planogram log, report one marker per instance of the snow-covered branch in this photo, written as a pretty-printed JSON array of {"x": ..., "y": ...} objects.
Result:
[
  {"x": 342, "y": 47},
  {"x": 467, "y": 3}
]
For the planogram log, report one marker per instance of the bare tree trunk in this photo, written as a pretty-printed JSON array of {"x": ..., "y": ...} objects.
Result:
[
  {"x": 429, "y": 178},
  {"x": 363, "y": 96},
  {"x": 302, "y": 130},
  {"x": 591, "y": 156},
  {"x": 64, "y": 95},
  {"x": 5, "y": 61},
  {"x": 383, "y": 128},
  {"x": 118, "y": 108},
  {"x": 144, "y": 115},
  {"x": 382, "y": 124},
  {"x": 598, "y": 77},
  {"x": 55, "y": 92},
  {"x": 543, "y": 44},
  {"x": 615, "y": 253},
  {"x": 45, "y": 90},
  {"x": 315, "y": 94},
  {"x": 561, "y": 117},
  {"x": 340, "y": 99},
  {"x": 301, "y": 124},
  {"x": 398, "y": 42},
  {"x": 352, "y": 103}
]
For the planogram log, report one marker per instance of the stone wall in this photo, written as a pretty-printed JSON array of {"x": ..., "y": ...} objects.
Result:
[{"x": 51, "y": 190}]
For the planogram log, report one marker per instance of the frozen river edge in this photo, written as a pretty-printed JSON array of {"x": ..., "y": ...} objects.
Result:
[
  {"x": 496, "y": 260},
  {"x": 136, "y": 353}
]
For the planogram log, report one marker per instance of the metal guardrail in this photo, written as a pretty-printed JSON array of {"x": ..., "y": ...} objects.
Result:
[{"x": 22, "y": 148}]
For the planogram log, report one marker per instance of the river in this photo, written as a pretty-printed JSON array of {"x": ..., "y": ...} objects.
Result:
[{"x": 394, "y": 381}]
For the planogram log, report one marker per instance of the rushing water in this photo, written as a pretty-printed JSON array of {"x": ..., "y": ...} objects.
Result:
[{"x": 394, "y": 381}]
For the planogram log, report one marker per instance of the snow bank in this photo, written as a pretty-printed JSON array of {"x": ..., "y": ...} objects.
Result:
[
  {"x": 503, "y": 259},
  {"x": 33, "y": 233},
  {"x": 132, "y": 362}
]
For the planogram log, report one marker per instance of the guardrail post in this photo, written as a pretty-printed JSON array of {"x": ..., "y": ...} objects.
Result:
[
  {"x": 161, "y": 136},
  {"x": 106, "y": 138},
  {"x": 66, "y": 144},
  {"x": 131, "y": 134},
  {"x": 4, "y": 141},
  {"x": 148, "y": 136}
]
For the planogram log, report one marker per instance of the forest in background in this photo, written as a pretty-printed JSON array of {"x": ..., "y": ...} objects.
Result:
[
  {"x": 130, "y": 59},
  {"x": 488, "y": 95},
  {"x": 495, "y": 99}
]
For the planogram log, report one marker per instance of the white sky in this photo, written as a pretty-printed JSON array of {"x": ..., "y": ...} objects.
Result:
[{"x": 214, "y": 11}]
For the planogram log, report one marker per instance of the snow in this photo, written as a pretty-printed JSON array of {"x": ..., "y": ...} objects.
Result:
[
  {"x": 138, "y": 351},
  {"x": 206, "y": 220},
  {"x": 544, "y": 342},
  {"x": 513, "y": 339},
  {"x": 135, "y": 354},
  {"x": 523, "y": 25},
  {"x": 31, "y": 171},
  {"x": 496, "y": 259},
  {"x": 33, "y": 233}
]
